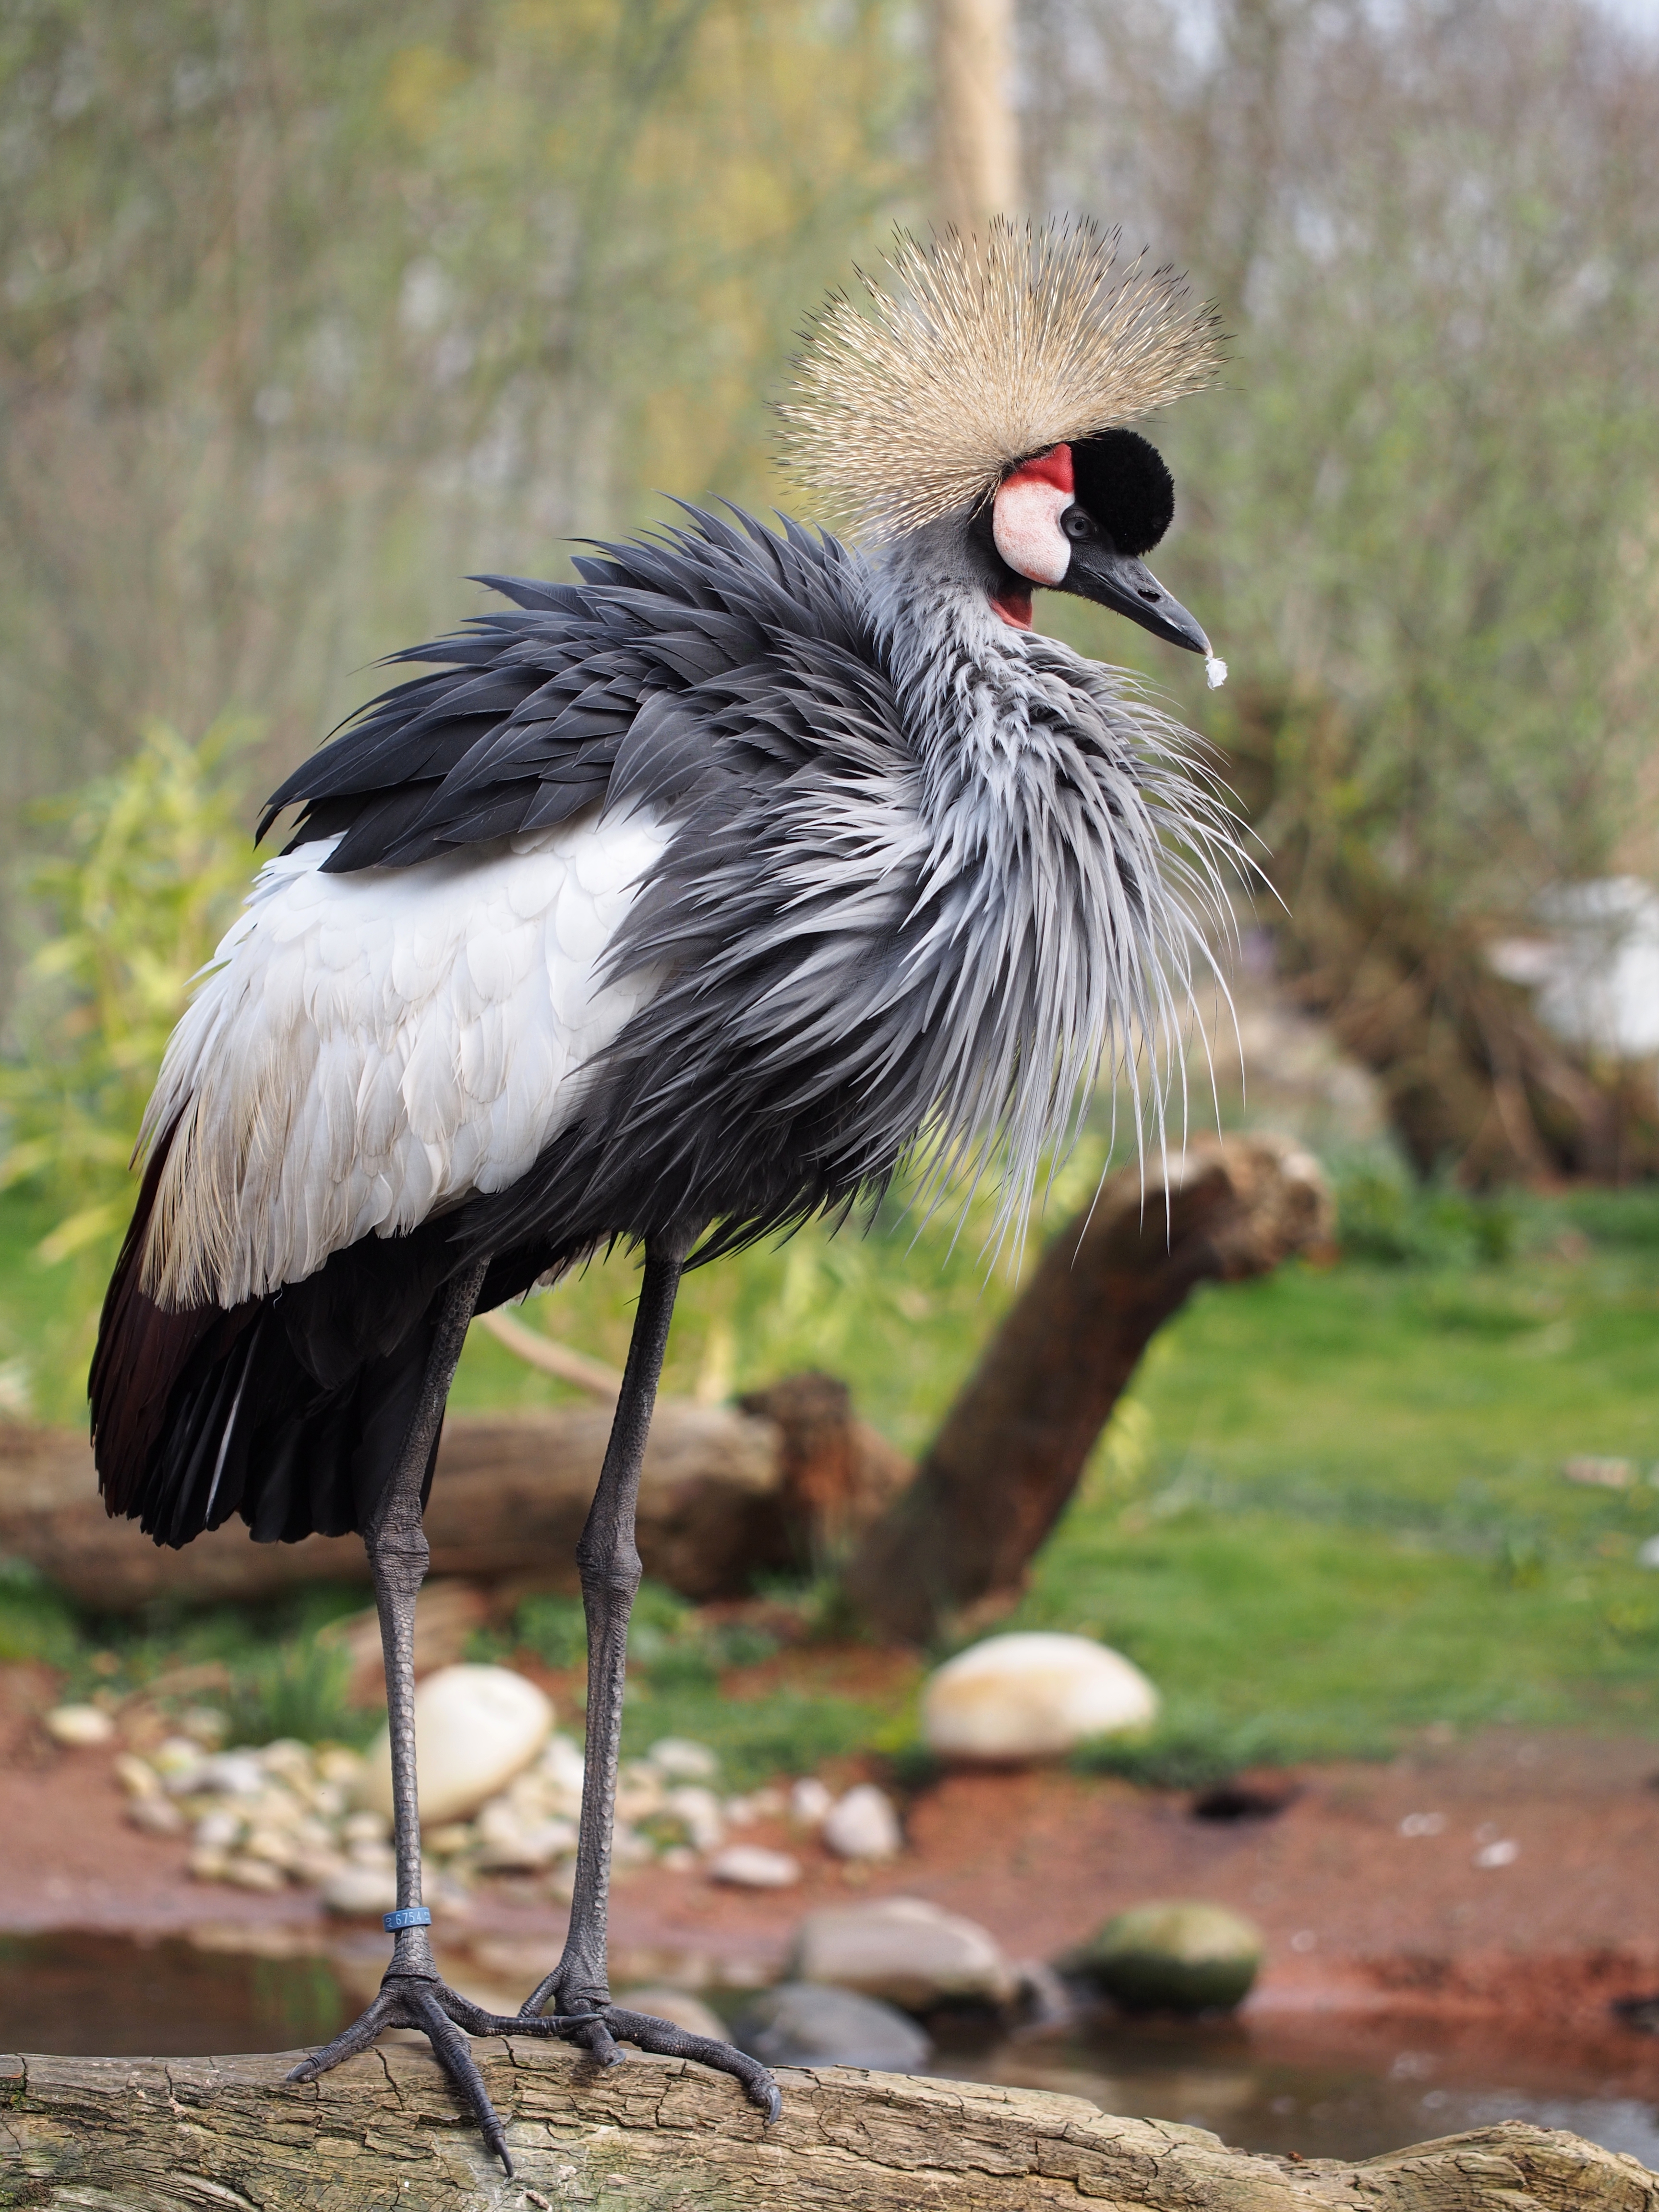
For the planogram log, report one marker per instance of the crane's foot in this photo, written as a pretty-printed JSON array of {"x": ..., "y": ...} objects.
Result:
[
  {"x": 600, "y": 2029},
  {"x": 440, "y": 2014}
]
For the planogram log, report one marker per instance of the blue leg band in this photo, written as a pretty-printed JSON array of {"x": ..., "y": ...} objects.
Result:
[{"x": 406, "y": 1916}]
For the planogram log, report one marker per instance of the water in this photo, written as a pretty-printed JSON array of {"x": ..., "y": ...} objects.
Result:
[{"x": 1328, "y": 2088}]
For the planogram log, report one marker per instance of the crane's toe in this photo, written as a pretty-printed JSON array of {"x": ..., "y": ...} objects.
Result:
[{"x": 660, "y": 2037}]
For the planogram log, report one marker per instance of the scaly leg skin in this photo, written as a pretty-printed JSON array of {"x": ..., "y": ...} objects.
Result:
[
  {"x": 608, "y": 1563},
  {"x": 412, "y": 1994}
]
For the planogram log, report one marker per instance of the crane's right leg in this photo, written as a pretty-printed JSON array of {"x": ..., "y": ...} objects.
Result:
[
  {"x": 608, "y": 1561},
  {"x": 411, "y": 1994}
]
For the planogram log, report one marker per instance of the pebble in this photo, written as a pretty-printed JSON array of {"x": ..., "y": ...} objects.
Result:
[
  {"x": 749, "y": 1866},
  {"x": 1599, "y": 1474},
  {"x": 157, "y": 1816},
  {"x": 810, "y": 2024},
  {"x": 79, "y": 1726},
  {"x": 809, "y": 1802},
  {"x": 475, "y": 1728},
  {"x": 684, "y": 1760},
  {"x": 905, "y": 1951},
  {"x": 698, "y": 1811},
  {"x": 360, "y": 1889},
  {"x": 1017, "y": 1697},
  {"x": 1182, "y": 1957},
  {"x": 863, "y": 1824}
]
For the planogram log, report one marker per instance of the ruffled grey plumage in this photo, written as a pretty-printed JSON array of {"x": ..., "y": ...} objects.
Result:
[{"x": 926, "y": 874}]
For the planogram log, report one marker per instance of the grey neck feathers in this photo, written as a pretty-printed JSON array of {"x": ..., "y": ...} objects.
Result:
[{"x": 1075, "y": 851}]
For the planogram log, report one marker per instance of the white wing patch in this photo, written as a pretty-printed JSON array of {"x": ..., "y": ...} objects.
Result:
[{"x": 370, "y": 1048}]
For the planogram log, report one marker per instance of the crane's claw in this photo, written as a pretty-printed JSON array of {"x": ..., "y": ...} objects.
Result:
[
  {"x": 600, "y": 2031},
  {"x": 440, "y": 2014}
]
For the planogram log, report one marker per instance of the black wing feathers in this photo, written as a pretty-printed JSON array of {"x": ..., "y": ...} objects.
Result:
[{"x": 620, "y": 685}]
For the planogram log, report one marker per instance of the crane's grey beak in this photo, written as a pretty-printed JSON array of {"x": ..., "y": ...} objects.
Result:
[{"x": 1128, "y": 587}]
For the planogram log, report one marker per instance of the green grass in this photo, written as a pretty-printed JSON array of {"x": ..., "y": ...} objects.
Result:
[
  {"x": 1331, "y": 1509},
  {"x": 1341, "y": 1512}
]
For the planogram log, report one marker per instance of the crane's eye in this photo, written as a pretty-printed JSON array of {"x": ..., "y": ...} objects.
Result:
[{"x": 1079, "y": 525}]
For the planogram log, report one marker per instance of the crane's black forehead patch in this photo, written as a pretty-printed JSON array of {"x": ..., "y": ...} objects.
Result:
[{"x": 1122, "y": 482}]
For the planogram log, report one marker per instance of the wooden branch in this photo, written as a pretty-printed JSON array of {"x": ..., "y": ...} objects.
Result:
[
  {"x": 561, "y": 1360},
  {"x": 509, "y": 1499},
  {"x": 153, "y": 2134},
  {"x": 725, "y": 1491},
  {"x": 998, "y": 1475}
]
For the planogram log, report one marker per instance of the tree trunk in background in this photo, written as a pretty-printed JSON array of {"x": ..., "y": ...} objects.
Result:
[
  {"x": 975, "y": 138},
  {"x": 1002, "y": 1470},
  {"x": 154, "y": 2134},
  {"x": 1473, "y": 1079}
]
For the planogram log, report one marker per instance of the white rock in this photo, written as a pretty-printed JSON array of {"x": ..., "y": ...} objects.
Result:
[
  {"x": 79, "y": 1725},
  {"x": 219, "y": 1830},
  {"x": 357, "y": 1889},
  {"x": 1017, "y": 1697},
  {"x": 365, "y": 1827},
  {"x": 1646, "y": 1552},
  {"x": 809, "y": 1802},
  {"x": 339, "y": 1766},
  {"x": 905, "y": 1951},
  {"x": 232, "y": 1774},
  {"x": 749, "y": 1866},
  {"x": 863, "y": 1824},
  {"x": 525, "y": 1850},
  {"x": 157, "y": 1816},
  {"x": 179, "y": 1762},
  {"x": 699, "y": 1809},
  {"x": 684, "y": 1760},
  {"x": 475, "y": 1728},
  {"x": 137, "y": 1776}
]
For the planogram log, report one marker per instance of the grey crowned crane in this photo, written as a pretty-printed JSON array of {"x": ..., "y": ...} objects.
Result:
[{"x": 678, "y": 905}]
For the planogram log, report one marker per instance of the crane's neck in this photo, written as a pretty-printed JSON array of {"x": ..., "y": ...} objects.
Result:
[{"x": 986, "y": 705}]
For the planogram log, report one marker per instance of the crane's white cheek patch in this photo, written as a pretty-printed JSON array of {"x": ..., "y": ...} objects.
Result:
[{"x": 1025, "y": 524}]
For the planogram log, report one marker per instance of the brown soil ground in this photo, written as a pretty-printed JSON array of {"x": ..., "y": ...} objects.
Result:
[{"x": 1362, "y": 1917}]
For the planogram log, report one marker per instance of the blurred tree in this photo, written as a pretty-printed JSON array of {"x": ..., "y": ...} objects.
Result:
[
  {"x": 1424, "y": 523},
  {"x": 976, "y": 132},
  {"x": 308, "y": 306}
]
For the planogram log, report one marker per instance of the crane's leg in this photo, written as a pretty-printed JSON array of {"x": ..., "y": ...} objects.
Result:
[
  {"x": 608, "y": 1563},
  {"x": 411, "y": 1994}
]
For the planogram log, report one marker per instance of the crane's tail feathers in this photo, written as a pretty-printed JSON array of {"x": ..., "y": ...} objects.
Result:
[{"x": 288, "y": 1410}]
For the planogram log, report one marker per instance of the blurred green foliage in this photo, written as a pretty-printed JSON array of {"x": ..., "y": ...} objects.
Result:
[
  {"x": 296, "y": 1689},
  {"x": 152, "y": 865}
]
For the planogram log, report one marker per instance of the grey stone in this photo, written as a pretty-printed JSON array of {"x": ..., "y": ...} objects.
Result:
[
  {"x": 808, "y": 2024},
  {"x": 905, "y": 1952}
]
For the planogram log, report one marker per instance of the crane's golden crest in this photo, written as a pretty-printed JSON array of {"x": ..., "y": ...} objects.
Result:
[{"x": 977, "y": 352}]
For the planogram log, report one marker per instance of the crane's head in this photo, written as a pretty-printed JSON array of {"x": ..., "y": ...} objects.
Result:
[
  {"x": 1078, "y": 519},
  {"x": 984, "y": 395}
]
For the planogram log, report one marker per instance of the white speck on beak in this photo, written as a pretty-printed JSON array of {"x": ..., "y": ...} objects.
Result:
[{"x": 1215, "y": 671}]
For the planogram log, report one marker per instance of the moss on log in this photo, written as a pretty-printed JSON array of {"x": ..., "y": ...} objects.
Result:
[{"x": 385, "y": 2131}]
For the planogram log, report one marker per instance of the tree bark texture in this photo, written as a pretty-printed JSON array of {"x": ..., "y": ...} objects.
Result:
[
  {"x": 724, "y": 1493},
  {"x": 387, "y": 2130},
  {"x": 957, "y": 1540}
]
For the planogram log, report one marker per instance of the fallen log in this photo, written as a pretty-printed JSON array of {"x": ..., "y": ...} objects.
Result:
[
  {"x": 724, "y": 1491},
  {"x": 153, "y": 2134},
  {"x": 954, "y": 1548}
]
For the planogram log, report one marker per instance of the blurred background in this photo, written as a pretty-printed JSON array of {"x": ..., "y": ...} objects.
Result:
[{"x": 310, "y": 310}]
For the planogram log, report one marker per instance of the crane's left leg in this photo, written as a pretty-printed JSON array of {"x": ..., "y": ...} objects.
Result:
[
  {"x": 412, "y": 1994},
  {"x": 608, "y": 1561}
]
